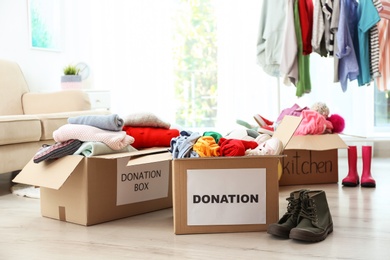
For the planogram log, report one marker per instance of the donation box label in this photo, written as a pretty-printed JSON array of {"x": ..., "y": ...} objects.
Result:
[
  {"x": 226, "y": 196},
  {"x": 142, "y": 183}
]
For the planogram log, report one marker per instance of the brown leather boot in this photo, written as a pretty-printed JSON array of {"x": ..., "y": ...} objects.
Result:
[
  {"x": 289, "y": 220},
  {"x": 314, "y": 220}
]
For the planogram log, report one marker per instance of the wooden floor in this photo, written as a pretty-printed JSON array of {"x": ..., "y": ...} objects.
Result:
[{"x": 361, "y": 219}]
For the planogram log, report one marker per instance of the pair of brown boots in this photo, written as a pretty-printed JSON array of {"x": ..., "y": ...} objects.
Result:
[{"x": 307, "y": 218}]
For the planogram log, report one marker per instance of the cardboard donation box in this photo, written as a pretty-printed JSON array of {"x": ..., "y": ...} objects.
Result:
[
  {"x": 92, "y": 190},
  {"x": 311, "y": 159},
  {"x": 228, "y": 194}
]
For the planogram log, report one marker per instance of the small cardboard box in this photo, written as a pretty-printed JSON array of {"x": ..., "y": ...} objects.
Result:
[
  {"x": 311, "y": 159},
  {"x": 92, "y": 190},
  {"x": 228, "y": 194}
]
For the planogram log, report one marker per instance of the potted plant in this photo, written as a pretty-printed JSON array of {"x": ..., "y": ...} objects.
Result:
[{"x": 71, "y": 78}]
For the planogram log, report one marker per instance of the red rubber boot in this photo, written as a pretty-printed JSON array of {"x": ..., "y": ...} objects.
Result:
[
  {"x": 352, "y": 179},
  {"x": 367, "y": 180}
]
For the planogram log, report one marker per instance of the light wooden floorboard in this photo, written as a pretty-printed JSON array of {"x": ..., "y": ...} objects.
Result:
[{"x": 361, "y": 219}]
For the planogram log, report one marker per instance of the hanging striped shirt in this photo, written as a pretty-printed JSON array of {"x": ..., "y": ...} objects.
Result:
[
  {"x": 374, "y": 45},
  {"x": 385, "y": 12},
  {"x": 327, "y": 8},
  {"x": 374, "y": 52}
]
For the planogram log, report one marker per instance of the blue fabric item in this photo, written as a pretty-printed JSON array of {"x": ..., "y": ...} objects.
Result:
[
  {"x": 348, "y": 63},
  {"x": 106, "y": 122},
  {"x": 368, "y": 17},
  {"x": 181, "y": 146}
]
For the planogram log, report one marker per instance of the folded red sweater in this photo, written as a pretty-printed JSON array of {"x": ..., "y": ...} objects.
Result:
[{"x": 146, "y": 137}]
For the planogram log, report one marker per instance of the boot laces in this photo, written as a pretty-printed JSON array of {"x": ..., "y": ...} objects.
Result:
[
  {"x": 293, "y": 206},
  {"x": 309, "y": 210}
]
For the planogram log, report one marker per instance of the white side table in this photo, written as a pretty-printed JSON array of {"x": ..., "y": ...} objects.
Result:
[{"x": 99, "y": 98}]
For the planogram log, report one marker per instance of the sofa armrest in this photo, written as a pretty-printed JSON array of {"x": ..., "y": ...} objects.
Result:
[
  {"x": 55, "y": 102},
  {"x": 51, "y": 122}
]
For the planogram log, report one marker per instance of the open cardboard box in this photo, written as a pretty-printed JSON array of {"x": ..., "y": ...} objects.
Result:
[
  {"x": 228, "y": 194},
  {"x": 92, "y": 190},
  {"x": 311, "y": 159}
]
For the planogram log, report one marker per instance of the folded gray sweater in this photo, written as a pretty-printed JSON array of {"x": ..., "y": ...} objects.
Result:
[{"x": 106, "y": 122}]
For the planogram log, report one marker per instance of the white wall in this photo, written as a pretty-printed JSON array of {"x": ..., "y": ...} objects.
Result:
[
  {"x": 42, "y": 69},
  {"x": 128, "y": 60}
]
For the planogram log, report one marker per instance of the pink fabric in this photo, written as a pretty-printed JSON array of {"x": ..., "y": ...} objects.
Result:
[
  {"x": 313, "y": 123},
  {"x": 85, "y": 133},
  {"x": 295, "y": 110}
]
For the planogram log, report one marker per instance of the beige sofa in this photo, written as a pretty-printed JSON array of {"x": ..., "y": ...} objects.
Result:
[{"x": 27, "y": 120}]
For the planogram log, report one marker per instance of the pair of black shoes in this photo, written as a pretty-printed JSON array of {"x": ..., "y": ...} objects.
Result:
[{"x": 307, "y": 218}]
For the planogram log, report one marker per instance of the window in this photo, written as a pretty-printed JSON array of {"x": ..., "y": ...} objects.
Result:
[
  {"x": 195, "y": 63},
  {"x": 187, "y": 61},
  {"x": 382, "y": 109}
]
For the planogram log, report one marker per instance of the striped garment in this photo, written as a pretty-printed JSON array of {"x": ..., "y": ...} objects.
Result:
[
  {"x": 384, "y": 48},
  {"x": 385, "y": 12},
  {"x": 374, "y": 45},
  {"x": 327, "y": 8},
  {"x": 378, "y": 5},
  {"x": 374, "y": 52}
]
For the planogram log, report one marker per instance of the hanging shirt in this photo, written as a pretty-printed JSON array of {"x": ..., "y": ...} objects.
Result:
[
  {"x": 368, "y": 17},
  {"x": 271, "y": 35},
  {"x": 318, "y": 37},
  {"x": 306, "y": 20},
  {"x": 289, "y": 62},
  {"x": 304, "y": 84},
  {"x": 385, "y": 12},
  {"x": 348, "y": 64},
  {"x": 334, "y": 26},
  {"x": 374, "y": 45},
  {"x": 383, "y": 82},
  {"x": 327, "y": 8},
  {"x": 374, "y": 52}
]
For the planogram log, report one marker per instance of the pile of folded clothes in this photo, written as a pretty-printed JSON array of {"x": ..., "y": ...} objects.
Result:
[
  {"x": 148, "y": 130},
  {"x": 105, "y": 134},
  {"x": 87, "y": 135}
]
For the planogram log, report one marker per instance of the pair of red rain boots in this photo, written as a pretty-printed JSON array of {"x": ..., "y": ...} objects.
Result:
[{"x": 352, "y": 179}]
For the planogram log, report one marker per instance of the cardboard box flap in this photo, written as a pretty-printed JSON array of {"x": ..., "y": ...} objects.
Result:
[
  {"x": 316, "y": 142},
  {"x": 157, "y": 157},
  {"x": 50, "y": 174},
  {"x": 133, "y": 153},
  {"x": 287, "y": 128}
]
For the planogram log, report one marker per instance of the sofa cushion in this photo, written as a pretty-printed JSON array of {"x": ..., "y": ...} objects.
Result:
[{"x": 19, "y": 129}]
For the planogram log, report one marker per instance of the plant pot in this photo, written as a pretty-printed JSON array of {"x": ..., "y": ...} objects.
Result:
[{"x": 71, "y": 82}]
